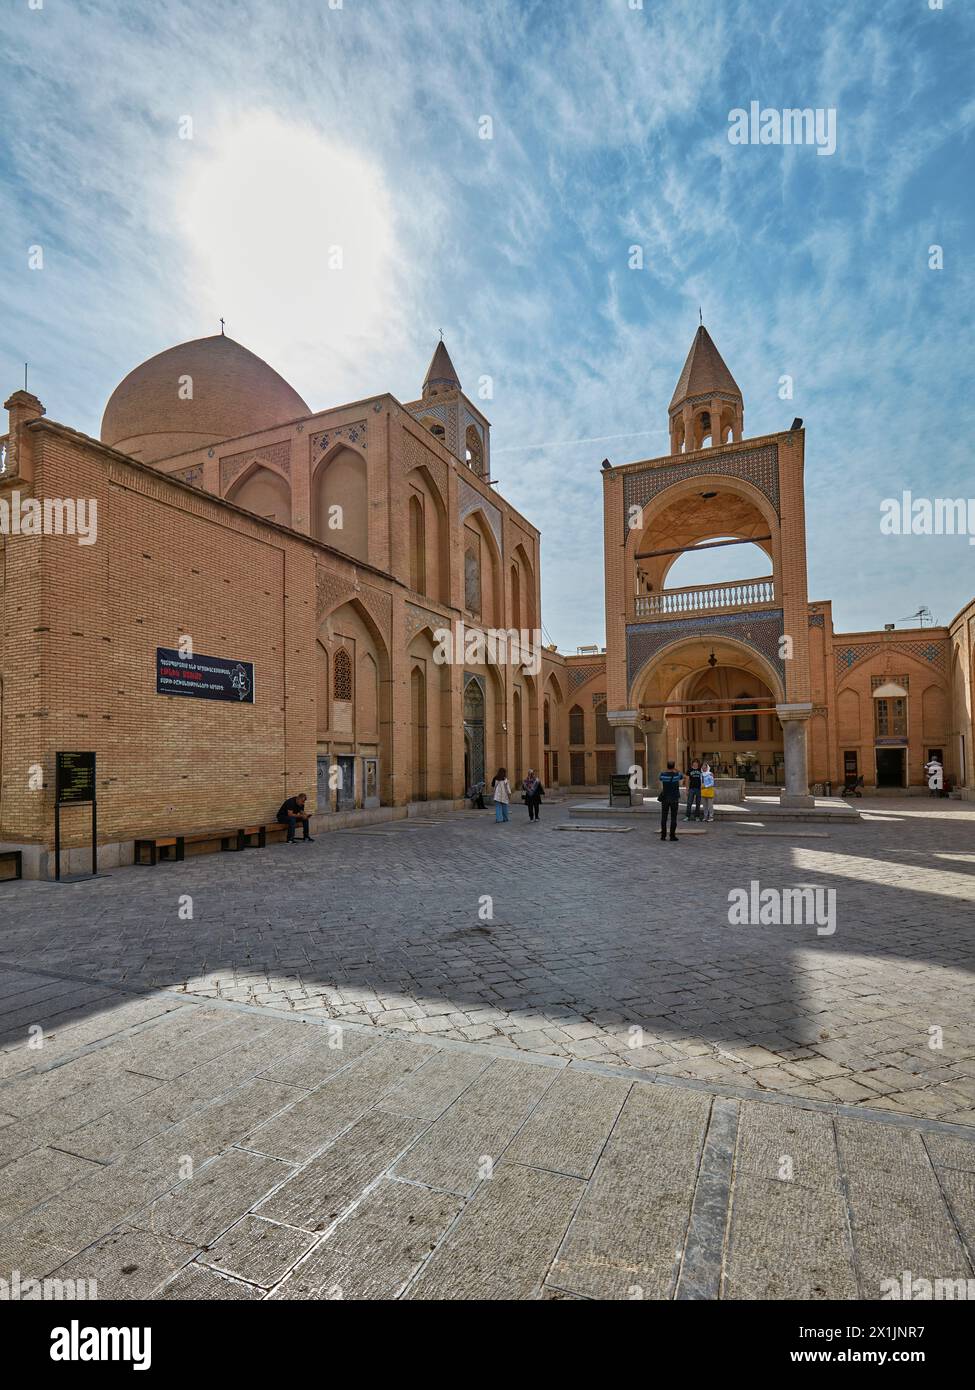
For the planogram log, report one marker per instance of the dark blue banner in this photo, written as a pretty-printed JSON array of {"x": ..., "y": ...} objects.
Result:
[{"x": 204, "y": 677}]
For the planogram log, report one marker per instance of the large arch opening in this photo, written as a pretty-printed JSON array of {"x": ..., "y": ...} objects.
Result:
[
  {"x": 714, "y": 699},
  {"x": 704, "y": 546}
]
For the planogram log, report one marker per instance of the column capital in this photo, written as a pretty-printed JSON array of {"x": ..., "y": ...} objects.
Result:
[
  {"x": 797, "y": 711},
  {"x": 623, "y": 718},
  {"x": 651, "y": 726}
]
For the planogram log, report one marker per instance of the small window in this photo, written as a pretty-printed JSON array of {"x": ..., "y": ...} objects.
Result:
[
  {"x": 891, "y": 717},
  {"x": 577, "y": 725},
  {"x": 342, "y": 676},
  {"x": 604, "y": 730}
]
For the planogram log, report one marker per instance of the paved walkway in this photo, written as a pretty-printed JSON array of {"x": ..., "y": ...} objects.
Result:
[
  {"x": 444, "y": 1059},
  {"x": 173, "y": 1149},
  {"x": 576, "y": 944}
]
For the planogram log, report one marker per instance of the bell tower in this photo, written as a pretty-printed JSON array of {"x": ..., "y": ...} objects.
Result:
[
  {"x": 707, "y": 402},
  {"x": 452, "y": 417}
]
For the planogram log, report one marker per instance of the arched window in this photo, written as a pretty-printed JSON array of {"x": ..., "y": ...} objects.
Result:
[
  {"x": 515, "y": 597},
  {"x": 322, "y": 686},
  {"x": 545, "y": 722},
  {"x": 604, "y": 730},
  {"x": 473, "y": 702},
  {"x": 342, "y": 675},
  {"x": 418, "y": 560},
  {"x": 472, "y": 570},
  {"x": 474, "y": 450},
  {"x": 577, "y": 725}
]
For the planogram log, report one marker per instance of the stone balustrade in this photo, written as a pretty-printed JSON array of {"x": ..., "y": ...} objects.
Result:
[{"x": 706, "y": 598}]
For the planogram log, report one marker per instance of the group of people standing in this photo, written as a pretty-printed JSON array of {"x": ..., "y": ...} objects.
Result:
[
  {"x": 532, "y": 792},
  {"x": 700, "y": 795}
]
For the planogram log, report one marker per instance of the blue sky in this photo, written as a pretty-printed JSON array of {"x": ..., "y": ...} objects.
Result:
[{"x": 359, "y": 126}]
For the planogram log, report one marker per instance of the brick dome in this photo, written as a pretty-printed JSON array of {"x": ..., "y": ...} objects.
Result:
[{"x": 196, "y": 394}]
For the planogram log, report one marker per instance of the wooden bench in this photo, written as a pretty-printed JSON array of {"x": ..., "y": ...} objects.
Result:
[
  {"x": 14, "y": 857},
  {"x": 171, "y": 848},
  {"x": 248, "y": 834}
]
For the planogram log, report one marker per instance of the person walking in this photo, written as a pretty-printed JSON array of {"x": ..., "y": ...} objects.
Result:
[
  {"x": 694, "y": 792},
  {"x": 502, "y": 795},
  {"x": 533, "y": 791},
  {"x": 669, "y": 799},
  {"x": 707, "y": 791}
]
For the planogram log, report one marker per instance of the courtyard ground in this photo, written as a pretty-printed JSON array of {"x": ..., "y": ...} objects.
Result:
[{"x": 444, "y": 1059}]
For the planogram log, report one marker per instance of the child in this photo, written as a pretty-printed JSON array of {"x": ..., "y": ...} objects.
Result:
[{"x": 707, "y": 791}]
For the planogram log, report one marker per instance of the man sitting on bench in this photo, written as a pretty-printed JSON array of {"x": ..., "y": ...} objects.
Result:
[{"x": 291, "y": 813}]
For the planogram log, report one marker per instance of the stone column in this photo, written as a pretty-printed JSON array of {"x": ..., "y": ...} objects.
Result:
[
  {"x": 715, "y": 419},
  {"x": 656, "y": 734},
  {"x": 624, "y": 723},
  {"x": 794, "y": 721}
]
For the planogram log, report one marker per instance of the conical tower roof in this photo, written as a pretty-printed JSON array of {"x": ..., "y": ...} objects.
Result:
[
  {"x": 441, "y": 373},
  {"x": 705, "y": 372}
]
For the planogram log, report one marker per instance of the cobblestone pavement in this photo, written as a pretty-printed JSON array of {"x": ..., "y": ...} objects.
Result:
[
  {"x": 603, "y": 947},
  {"x": 167, "y": 1149}
]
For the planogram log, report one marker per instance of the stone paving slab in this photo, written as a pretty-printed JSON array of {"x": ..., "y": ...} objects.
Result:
[
  {"x": 467, "y": 1174},
  {"x": 584, "y": 956}
]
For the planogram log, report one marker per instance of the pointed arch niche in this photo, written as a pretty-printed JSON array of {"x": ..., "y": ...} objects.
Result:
[
  {"x": 264, "y": 492},
  {"x": 429, "y": 537},
  {"x": 340, "y": 502}
]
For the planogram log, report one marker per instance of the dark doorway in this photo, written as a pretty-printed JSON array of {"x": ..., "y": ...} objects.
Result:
[
  {"x": 346, "y": 791},
  {"x": 890, "y": 767}
]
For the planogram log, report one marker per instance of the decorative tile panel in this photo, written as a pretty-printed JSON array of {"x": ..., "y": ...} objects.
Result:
[
  {"x": 417, "y": 618},
  {"x": 760, "y": 467},
  {"x": 934, "y": 653},
  {"x": 353, "y": 435},
  {"x": 189, "y": 475},
  {"x": 760, "y": 631},
  {"x": 470, "y": 500},
  {"x": 578, "y": 675},
  {"x": 274, "y": 456}
]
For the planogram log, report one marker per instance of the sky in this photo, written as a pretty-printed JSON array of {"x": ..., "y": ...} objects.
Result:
[{"x": 488, "y": 167}]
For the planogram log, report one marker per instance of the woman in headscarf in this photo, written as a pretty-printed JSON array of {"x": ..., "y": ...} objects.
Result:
[{"x": 533, "y": 791}]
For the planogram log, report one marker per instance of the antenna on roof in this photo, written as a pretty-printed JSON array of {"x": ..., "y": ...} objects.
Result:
[
  {"x": 25, "y": 376},
  {"x": 700, "y": 315},
  {"x": 923, "y": 616},
  {"x": 221, "y": 328},
  {"x": 440, "y": 331}
]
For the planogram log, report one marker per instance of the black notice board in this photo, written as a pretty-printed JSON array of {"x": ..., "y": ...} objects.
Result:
[
  {"x": 204, "y": 677},
  {"x": 619, "y": 786},
  {"x": 74, "y": 777}
]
